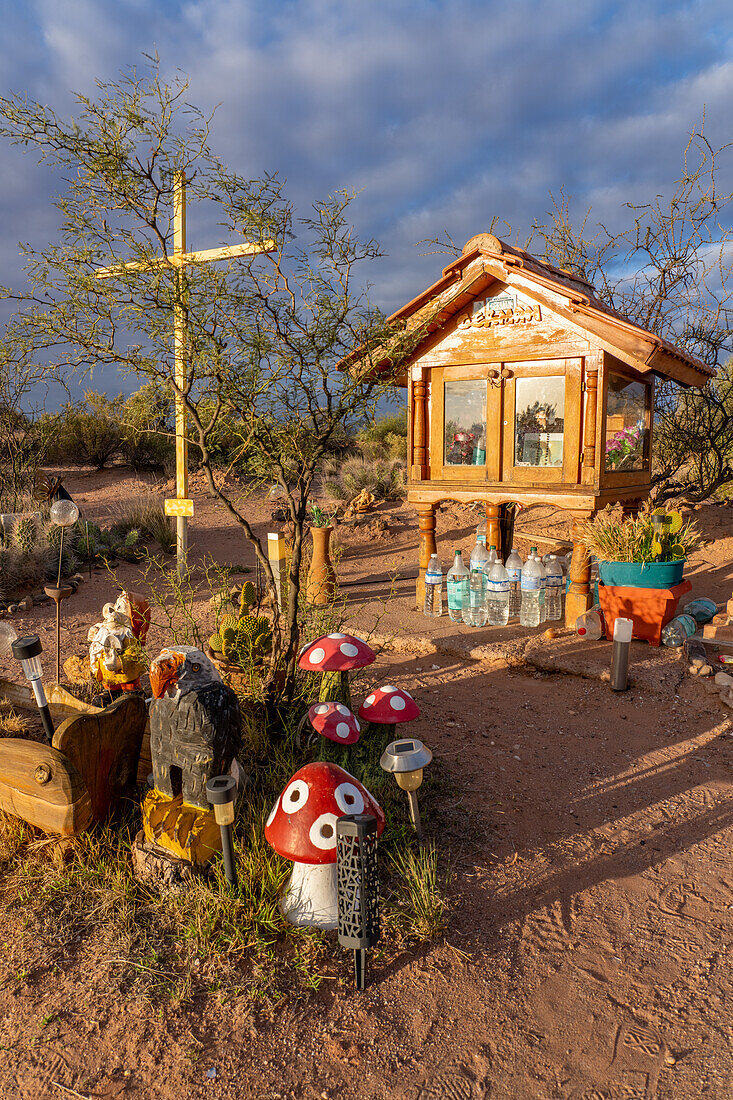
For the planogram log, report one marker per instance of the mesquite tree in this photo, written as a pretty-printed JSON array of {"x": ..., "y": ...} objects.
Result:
[
  {"x": 670, "y": 272},
  {"x": 267, "y": 332}
]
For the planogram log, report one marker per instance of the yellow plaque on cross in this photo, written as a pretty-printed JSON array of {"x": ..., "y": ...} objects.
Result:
[{"x": 178, "y": 506}]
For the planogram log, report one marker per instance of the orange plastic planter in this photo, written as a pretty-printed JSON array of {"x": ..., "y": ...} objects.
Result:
[{"x": 649, "y": 608}]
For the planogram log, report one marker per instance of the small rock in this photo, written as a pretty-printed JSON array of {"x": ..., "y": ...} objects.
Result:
[
  {"x": 705, "y": 670},
  {"x": 693, "y": 670},
  {"x": 606, "y": 676},
  {"x": 697, "y": 661},
  {"x": 550, "y": 633},
  {"x": 722, "y": 679}
]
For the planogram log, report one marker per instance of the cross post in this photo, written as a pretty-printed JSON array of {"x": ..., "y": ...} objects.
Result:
[{"x": 182, "y": 507}]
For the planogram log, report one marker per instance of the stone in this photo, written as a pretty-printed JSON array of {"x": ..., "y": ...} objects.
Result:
[
  {"x": 705, "y": 670},
  {"x": 722, "y": 679},
  {"x": 606, "y": 676},
  {"x": 550, "y": 633}
]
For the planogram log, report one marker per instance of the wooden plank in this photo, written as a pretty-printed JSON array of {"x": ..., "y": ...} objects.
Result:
[
  {"x": 104, "y": 748},
  {"x": 40, "y": 785},
  {"x": 62, "y": 703}
]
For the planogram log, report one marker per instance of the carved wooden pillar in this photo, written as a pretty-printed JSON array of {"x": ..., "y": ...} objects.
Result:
[
  {"x": 578, "y": 597},
  {"x": 493, "y": 531},
  {"x": 426, "y": 523},
  {"x": 419, "y": 470},
  {"x": 591, "y": 410}
]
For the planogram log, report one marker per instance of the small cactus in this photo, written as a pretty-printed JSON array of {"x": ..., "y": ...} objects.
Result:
[
  {"x": 25, "y": 534},
  {"x": 227, "y": 622},
  {"x": 216, "y": 643},
  {"x": 248, "y": 597}
]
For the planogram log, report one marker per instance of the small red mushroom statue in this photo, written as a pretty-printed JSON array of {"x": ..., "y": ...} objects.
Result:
[
  {"x": 335, "y": 655},
  {"x": 302, "y": 827}
]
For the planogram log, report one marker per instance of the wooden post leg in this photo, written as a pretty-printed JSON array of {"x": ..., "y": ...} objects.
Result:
[
  {"x": 493, "y": 531},
  {"x": 578, "y": 597},
  {"x": 426, "y": 523}
]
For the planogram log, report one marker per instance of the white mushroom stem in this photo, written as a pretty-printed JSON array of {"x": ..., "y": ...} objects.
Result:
[{"x": 310, "y": 899}]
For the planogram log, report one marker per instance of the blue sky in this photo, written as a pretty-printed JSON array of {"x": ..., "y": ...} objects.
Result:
[{"x": 442, "y": 114}]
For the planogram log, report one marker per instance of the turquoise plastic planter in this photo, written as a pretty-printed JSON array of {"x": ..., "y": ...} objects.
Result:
[{"x": 631, "y": 574}]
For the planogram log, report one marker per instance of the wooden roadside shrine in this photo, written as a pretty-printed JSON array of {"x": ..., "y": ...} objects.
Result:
[{"x": 524, "y": 387}]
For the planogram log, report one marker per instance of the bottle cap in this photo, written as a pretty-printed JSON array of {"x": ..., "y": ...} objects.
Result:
[
  {"x": 582, "y": 630},
  {"x": 533, "y": 549}
]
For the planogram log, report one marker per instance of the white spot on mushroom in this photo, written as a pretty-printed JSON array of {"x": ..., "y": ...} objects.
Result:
[
  {"x": 273, "y": 812},
  {"x": 342, "y": 709},
  {"x": 387, "y": 688},
  {"x": 349, "y": 798},
  {"x": 397, "y": 702},
  {"x": 348, "y": 649},
  {"x": 358, "y": 726},
  {"x": 316, "y": 655},
  {"x": 342, "y": 730},
  {"x": 323, "y": 832},
  {"x": 322, "y": 709},
  {"x": 337, "y": 635},
  {"x": 369, "y": 700},
  {"x": 295, "y": 796}
]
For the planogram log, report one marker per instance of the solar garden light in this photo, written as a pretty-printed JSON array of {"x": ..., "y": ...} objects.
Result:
[
  {"x": 28, "y": 651},
  {"x": 221, "y": 792},
  {"x": 406, "y": 760},
  {"x": 64, "y": 513},
  {"x": 357, "y": 887},
  {"x": 622, "y": 631}
]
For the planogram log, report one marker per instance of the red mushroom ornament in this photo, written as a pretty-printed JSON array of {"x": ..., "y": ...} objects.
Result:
[
  {"x": 302, "y": 827},
  {"x": 335, "y": 655},
  {"x": 389, "y": 704},
  {"x": 334, "y": 721}
]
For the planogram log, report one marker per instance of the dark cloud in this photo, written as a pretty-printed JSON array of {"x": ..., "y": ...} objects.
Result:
[{"x": 441, "y": 113}]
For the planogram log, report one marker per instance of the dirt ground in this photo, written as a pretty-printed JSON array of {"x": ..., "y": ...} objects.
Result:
[{"x": 588, "y": 835}]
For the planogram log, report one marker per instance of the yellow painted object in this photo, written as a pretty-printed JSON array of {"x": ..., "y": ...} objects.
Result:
[
  {"x": 185, "y": 831},
  {"x": 175, "y": 506}
]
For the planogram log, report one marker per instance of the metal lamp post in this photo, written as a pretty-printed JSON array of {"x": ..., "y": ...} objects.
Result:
[
  {"x": 221, "y": 792},
  {"x": 28, "y": 651},
  {"x": 406, "y": 760},
  {"x": 357, "y": 885},
  {"x": 64, "y": 513}
]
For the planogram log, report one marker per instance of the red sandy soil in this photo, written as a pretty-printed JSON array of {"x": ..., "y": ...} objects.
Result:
[{"x": 589, "y": 835}]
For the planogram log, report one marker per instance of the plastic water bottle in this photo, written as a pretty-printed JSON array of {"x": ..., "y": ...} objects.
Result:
[
  {"x": 678, "y": 630},
  {"x": 479, "y": 555},
  {"x": 553, "y": 601},
  {"x": 457, "y": 588},
  {"x": 433, "y": 588},
  {"x": 476, "y": 612},
  {"x": 498, "y": 595},
  {"x": 543, "y": 584},
  {"x": 702, "y": 610},
  {"x": 530, "y": 612},
  {"x": 590, "y": 624},
  {"x": 493, "y": 556},
  {"x": 514, "y": 572}
]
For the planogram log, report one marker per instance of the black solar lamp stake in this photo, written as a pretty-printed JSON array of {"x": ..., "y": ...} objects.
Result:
[
  {"x": 358, "y": 888},
  {"x": 28, "y": 651},
  {"x": 221, "y": 791}
]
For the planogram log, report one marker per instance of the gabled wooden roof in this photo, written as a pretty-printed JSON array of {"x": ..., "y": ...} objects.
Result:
[{"x": 485, "y": 259}]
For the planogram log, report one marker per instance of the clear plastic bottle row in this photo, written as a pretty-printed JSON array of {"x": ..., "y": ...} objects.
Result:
[{"x": 488, "y": 592}]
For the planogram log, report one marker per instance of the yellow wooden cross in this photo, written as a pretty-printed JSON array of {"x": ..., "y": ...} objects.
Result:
[{"x": 181, "y": 507}]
